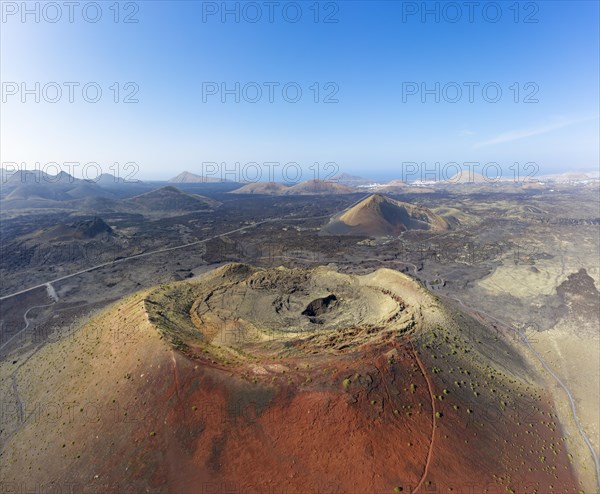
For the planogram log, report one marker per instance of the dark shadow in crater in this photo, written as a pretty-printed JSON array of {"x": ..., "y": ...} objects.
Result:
[{"x": 319, "y": 307}]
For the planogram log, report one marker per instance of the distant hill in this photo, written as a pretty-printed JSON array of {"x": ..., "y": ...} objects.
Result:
[
  {"x": 351, "y": 180},
  {"x": 97, "y": 204},
  {"x": 263, "y": 188},
  {"x": 62, "y": 187},
  {"x": 192, "y": 178},
  {"x": 467, "y": 177},
  {"x": 379, "y": 216},
  {"x": 36, "y": 191},
  {"x": 396, "y": 183},
  {"x": 108, "y": 180},
  {"x": 318, "y": 187},
  {"x": 573, "y": 177},
  {"x": 310, "y": 187},
  {"x": 78, "y": 230},
  {"x": 22, "y": 177},
  {"x": 29, "y": 177},
  {"x": 85, "y": 189},
  {"x": 398, "y": 186},
  {"x": 170, "y": 198},
  {"x": 403, "y": 189}
]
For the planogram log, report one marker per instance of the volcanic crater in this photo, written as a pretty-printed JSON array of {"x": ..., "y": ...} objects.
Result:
[
  {"x": 339, "y": 383},
  {"x": 255, "y": 309}
]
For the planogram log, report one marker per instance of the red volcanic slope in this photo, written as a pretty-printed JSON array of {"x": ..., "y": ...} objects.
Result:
[{"x": 138, "y": 414}]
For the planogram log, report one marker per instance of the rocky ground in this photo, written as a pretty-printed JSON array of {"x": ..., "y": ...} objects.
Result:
[{"x": 527, "y": 259}]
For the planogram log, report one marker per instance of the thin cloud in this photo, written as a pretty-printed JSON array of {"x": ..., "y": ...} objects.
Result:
[{"x": 514, "y": 135}]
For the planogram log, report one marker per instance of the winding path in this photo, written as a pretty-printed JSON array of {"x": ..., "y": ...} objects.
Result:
[
  {"x": 433, "y": 417},
  {"x": 169, "y": 249},
  {"x": 137, "y": 256},
  {"x": 545, "y": 365},
  {"x": 14, "y": 384},
  {"x": 52, "y": 294},
  {"x": 523, "y": 337}
]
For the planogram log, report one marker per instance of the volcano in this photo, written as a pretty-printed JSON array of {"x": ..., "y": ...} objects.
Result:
[
  {"x": 225, "y": 380},
  {"x": 380, "y": 216}
]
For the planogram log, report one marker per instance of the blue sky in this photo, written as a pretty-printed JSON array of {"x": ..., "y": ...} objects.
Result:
[{"x": 367, "y": 57}]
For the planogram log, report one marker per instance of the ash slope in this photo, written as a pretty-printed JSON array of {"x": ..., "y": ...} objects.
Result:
[
  {"x": 380, "y": 216},
  {"x": 190, "y": 384}
]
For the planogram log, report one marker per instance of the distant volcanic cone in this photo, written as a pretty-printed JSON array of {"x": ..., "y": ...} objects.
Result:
[{"x": 380, "y": 216}]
